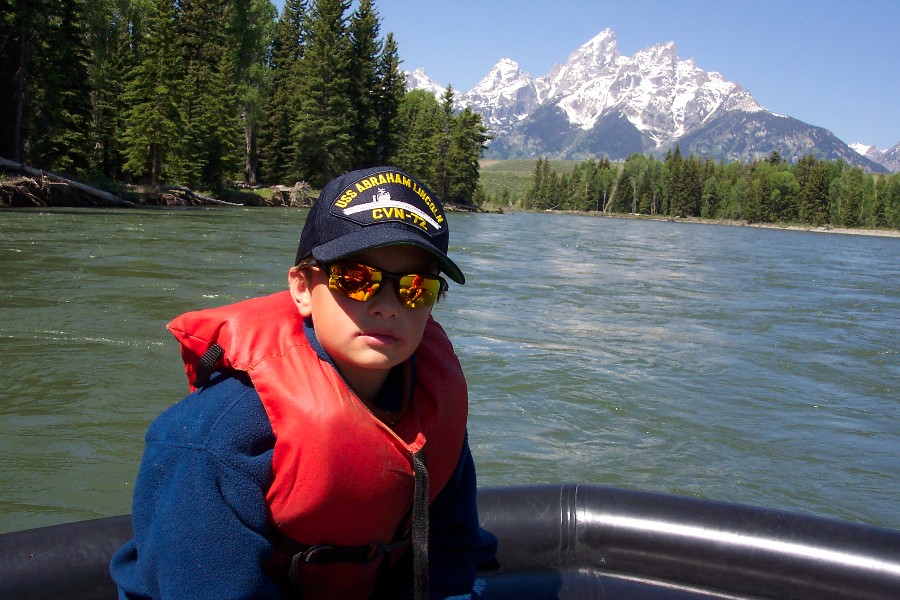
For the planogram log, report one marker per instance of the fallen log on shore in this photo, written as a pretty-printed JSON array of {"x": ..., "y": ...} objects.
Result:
[
  {"x": 34, "y": 188},
  {"x": 198, "y": 198},
  {"x": 26, "y": 186}
]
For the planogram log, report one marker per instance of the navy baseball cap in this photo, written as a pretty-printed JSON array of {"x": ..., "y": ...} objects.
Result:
[{"x": 374, "y": 208}]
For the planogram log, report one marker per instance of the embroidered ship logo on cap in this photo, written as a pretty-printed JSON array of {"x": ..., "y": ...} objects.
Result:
[
  {"x": 383, "y": 207},
  {"x": 390, "y": 196}
]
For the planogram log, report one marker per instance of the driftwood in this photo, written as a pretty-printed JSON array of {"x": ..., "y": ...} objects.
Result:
[
  {"x": 195, "y": 196},
  {"x": 45, "y": 178},
  {"x": 21, "y": 189}
]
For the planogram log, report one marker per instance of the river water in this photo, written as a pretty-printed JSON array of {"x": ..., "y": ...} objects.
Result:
[{"x": 748, "y": 365}]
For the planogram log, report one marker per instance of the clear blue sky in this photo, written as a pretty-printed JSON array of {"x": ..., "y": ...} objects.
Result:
[{"x": 830, "y": 63}]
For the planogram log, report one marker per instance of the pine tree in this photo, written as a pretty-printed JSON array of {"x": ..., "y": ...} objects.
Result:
[
  {"x": 251, "y": 33},
  {"x": 694, "y": 186},
  {"x": 417, "y": 122},
  {"x": 678, "y": 186},
  {"x": 656, "y": 178},
  {"x": 45, "y": 104},
  {"x": 210, "y": 150},
  {"x": 890, "y": 196},
  {"x": 755, "y": 207},
  {"x": 785, "y": 193},
  {"x": 323, "y": 130},
  {"x": 278, "y": 161},
  {"x": 850, "y": 189},
  {"x": 365, "y": 50},
  {"x": 17, "y": 19},
  {"x": 579, "y": 185},
  {"x": 543, "y": 188},
  {"x": 153, "y": 120},
  {"x": 467, "y": 142},
  {"x": 814, "y": 191},
  {"x": 60, "y": 113},
  {"x": 533, "y": 195},
  {"x": 114, "y": 27},
  {"x": 879, "y": 212},
  {"x": 443, "y": 136},
  {"x": 389, "y": 94}
]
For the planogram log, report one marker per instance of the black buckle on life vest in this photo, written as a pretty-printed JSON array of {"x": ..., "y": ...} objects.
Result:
[{"x": 328, "y": 554}]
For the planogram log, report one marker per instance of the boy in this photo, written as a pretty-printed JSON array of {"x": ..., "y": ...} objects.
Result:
[{"x": 296, "y": 467}]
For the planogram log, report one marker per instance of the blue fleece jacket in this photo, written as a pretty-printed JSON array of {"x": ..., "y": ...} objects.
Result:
[{"x": 201, "y": 527}]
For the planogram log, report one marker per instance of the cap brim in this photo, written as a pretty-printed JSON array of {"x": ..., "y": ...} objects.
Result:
[{"x": 363, "y": 240}]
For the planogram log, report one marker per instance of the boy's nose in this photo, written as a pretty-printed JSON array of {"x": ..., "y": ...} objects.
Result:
[{"x": 386, "y": 303}]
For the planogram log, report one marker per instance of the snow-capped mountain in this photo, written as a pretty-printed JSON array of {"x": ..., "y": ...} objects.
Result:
[
  {"x": 602, "y": 103},
  {"x": 505, "y": 96},
  {"x": 419, "y": 80},
  {"x": 890, "y": 159},
  {"x": 659, "y": 94}
]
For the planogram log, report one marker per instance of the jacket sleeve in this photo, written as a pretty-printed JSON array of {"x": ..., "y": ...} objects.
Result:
[
  {"x": 458, "y": 544},
  {"x": 199, "y": 508}
]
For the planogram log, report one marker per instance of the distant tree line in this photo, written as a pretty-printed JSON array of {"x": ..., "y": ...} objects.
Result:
[
  {"x": 204, "y": 92},
  {"x": 812, "y": 191}
]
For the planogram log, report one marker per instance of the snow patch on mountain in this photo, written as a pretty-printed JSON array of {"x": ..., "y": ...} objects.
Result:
[
  {"x": 890, "y": 158},
  {"x": 419, "y": 80},
  {"x": 862, "y": 149}
]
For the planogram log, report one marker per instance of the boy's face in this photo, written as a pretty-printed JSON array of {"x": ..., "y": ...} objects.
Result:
[{"x": 365, "y": 339}]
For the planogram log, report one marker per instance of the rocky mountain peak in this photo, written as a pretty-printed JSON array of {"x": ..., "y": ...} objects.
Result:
[
  {"x": 602, "y": 50},
  {"x": 602, "y": 103},
  {"x": 504, "y": 74},
  {"x": 588, "y": 63},
  {"x": 419, "y": 80}
]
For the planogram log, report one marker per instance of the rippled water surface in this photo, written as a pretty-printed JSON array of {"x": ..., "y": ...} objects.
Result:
[{"x": 748, "y": 365}]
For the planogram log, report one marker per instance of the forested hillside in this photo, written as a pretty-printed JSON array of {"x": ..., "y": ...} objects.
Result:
[
  {"x": 207, "y": 92},
  {"x": 811, "y": 191}
]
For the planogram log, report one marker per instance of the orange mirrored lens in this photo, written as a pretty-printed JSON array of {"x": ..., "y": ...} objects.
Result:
[
  {"x": 356, "y": 281},
  {"x": 418, "y": 290}
]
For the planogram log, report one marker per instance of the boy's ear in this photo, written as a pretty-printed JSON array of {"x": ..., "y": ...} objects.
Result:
[{"x": 300, "y": 291}]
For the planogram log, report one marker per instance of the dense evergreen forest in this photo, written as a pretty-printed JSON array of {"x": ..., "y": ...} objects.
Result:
[
  {"x": 812, "y": 191},
  {"x": 204, "y": 93}
]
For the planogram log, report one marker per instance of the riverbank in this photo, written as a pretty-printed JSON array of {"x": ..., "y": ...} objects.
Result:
[
  {"x": 826, "y": 229},
  {"x": 21, "y": 186},
  {"x": 895, "y": 233},
  {"x": 810, "y": 228}
]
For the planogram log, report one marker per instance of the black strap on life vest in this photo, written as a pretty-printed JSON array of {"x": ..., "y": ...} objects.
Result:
[
  {"x": 207, "y": 364},
  {"x": 420, "y": 527}
]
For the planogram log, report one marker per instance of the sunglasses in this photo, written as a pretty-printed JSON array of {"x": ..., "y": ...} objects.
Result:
[{"x": 360, "y": 282}]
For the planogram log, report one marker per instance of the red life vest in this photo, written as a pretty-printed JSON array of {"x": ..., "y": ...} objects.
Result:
[{"x": 341, "y": 476}]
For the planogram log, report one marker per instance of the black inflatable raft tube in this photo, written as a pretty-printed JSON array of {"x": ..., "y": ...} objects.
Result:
[{"x": 567, "y": 541}]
